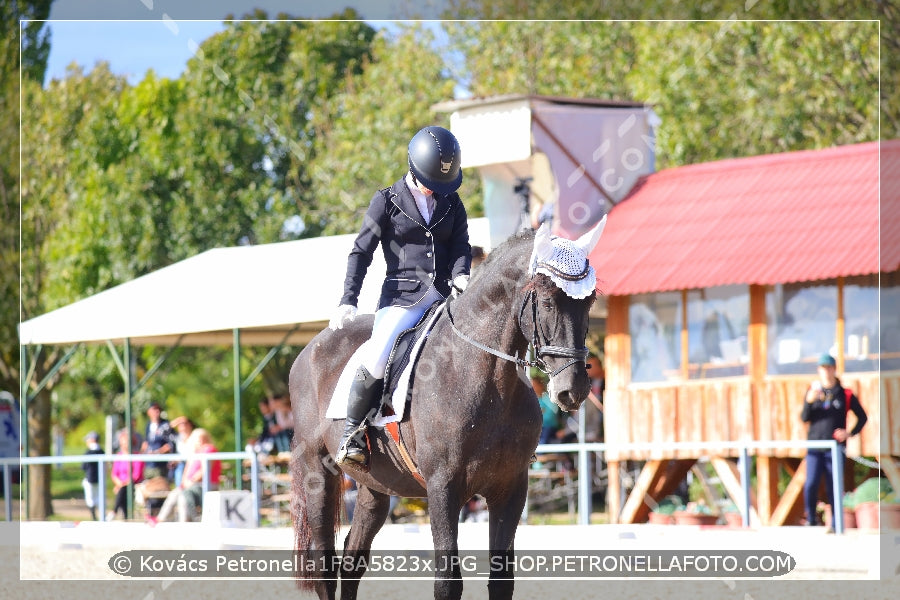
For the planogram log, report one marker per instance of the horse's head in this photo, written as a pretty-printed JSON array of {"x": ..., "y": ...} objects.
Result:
[{"x": 554, "y": 314}]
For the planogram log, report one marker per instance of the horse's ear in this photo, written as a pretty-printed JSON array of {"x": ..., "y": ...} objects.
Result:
[
  {"x": 588, "y": 241},
  {"x": 543, "y": 247}
]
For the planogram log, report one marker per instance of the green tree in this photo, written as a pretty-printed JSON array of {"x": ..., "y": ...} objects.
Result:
[
  {"x": 52, "y": 181},
  {"x": 362, "y": 134},
  {"x": 722, "y": 89},
  {"x": 887, "y": 13},
  {"x": 745, "y": 88},
  {"x": 32, "y": 50},
  {"x": 261, "y": 86},
  {"x": 121, "y": 180}
]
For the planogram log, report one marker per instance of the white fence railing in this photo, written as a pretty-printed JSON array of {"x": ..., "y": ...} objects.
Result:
[
  {"x": 205, "y": 457},
  {"x": 706, "y": 448},
  {"x": 584, "y": 482}
]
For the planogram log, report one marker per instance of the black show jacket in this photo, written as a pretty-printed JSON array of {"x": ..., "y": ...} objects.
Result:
[{"x": 417, "y": 255}]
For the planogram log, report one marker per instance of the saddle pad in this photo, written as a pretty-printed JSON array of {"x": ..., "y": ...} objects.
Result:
[
  {"x": 337, "y": 408},
  {"x": 402, "y": 352}
]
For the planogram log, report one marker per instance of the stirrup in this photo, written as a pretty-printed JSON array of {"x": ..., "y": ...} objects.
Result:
[{"x": 351, "y": 443}]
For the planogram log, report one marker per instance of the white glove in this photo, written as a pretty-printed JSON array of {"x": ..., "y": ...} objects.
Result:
[
  {"x": 459, "y": 285},
  {"x": 344, "y": 314}
]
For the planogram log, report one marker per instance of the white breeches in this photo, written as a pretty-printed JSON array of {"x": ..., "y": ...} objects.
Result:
[{"x": 389, "y": 322}]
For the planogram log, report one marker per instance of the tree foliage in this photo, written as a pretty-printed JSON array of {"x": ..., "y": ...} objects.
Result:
[
  {"x": 722, "y": 89},
  {"x": 836, "y": 39},
  {"x": 362, "y": 135},
  {"x": 27, "y": 43}
]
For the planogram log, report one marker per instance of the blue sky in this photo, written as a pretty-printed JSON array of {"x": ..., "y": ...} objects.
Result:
[
  {"x": 130, "y": 48},
  {"x": 136, "y": 35}
]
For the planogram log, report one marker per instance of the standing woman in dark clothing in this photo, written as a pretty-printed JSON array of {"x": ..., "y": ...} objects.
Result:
[
  {"x": 825, "y": 409},
  {"x": 422, "y": 227}
]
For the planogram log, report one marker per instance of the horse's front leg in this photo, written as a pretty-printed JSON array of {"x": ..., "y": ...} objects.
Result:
[
  {"x": 505, "y": 511},
  {"x": 371, "y": 510},
  {"x": 444, "y": 505}
]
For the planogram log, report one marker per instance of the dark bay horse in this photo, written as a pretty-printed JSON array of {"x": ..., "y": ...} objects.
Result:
[{"x": 471, "y": 426}]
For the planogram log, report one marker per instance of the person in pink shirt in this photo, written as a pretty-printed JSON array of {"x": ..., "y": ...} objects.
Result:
[
  {"x": 119, "y": 475},
  {"x": 189, "y": 494}
]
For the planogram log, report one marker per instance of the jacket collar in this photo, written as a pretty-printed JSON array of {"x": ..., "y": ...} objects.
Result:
[{"x": 403, "y": 199}]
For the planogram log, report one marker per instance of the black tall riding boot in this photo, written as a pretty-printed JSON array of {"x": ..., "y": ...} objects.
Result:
[{"x": 365, "y": 395}]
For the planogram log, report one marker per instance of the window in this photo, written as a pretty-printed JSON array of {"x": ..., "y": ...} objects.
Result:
[
  {"x": 802, "y": 321},
  {"x": 889, "y": 342},
  {"x": 860, "y": 324},
  {"x": 718, "y": 319},
  {"x": 654, "y": 321}
]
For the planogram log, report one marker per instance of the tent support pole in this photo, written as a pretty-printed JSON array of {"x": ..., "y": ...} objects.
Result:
[
  {"x": 126, "y": 376},
  {"x": 159, "y": 363},
  {"x": 267, "y": 359},
  {"x": 237, "y": 405}
]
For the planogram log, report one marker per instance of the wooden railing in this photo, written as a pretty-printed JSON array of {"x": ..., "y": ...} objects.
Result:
[{"x": 735, "y": 409}]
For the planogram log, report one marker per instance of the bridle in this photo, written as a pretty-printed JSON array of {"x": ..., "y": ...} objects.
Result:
[{"x": 575, "y": 354}]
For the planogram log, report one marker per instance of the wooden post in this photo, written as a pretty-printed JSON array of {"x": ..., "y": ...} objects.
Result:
[
  {"x": 730, "y": 478},
  {"x": 891, "y": 470},
  {"x": 767, "y": 469},
  {"x": 793, "y": 495},
  {"x": 635, "y": 509},
  {"x": 613, "y": 491}
]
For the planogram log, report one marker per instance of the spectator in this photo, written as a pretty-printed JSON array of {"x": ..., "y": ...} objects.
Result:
[
  {"x": 188, "y": 496},
  {"x": 825, "y": 410},
  {"x": 284, "y": 419},
  {"x": 266, "y": 441},
  {"x": 183, "y": 427},
  {"x": 138, "y": 438},
  {"x": 593, "y": 408},
  {"x": 91, "y": 481},
  {"x": 159, "y": 438},
  {"x": 549, "y": 411},
  {"x": 119, "y": 475}
]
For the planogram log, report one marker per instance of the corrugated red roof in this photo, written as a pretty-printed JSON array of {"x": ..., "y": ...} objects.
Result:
[
  {"x": 890, "y": 206},
  {"x": 776, "y": 218}
]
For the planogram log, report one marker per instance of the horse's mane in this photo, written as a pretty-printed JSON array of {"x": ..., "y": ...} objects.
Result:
[{"x": 499, "y": 258}]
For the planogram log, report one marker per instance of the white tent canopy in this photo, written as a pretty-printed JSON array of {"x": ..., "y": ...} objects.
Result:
[{"x": 273, "y": 293}]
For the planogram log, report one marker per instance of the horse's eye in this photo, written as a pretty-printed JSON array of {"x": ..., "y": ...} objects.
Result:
[{"x": 548, "y": 303}]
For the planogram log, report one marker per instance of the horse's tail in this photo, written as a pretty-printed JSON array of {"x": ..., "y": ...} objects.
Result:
[{"x": 314, "y": 519}]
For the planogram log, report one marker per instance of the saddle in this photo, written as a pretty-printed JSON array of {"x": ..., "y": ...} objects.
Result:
[{"x": 402, "y": 353}]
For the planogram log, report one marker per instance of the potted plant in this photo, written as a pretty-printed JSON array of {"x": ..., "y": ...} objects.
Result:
[
  {"x": 866, "y": 497},
  {"x": 849, "y": 505},
  {"x": 695, "y": 513},
  {"x": 732, "y": 516},
  {"x": 890, "y": 507},
  {"x": 662, "y": 512}
]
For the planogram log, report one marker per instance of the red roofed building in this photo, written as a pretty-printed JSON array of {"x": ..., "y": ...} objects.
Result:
[{"x": 724, "y": 282}]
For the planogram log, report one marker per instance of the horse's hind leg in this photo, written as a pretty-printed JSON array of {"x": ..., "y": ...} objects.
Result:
[
  {"x": 315, "y": 484},
  {"x": 369, "y": 515},
  {"x": 505, "y": 513}
]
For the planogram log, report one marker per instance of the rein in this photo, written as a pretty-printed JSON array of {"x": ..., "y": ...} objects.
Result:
[{"x": 576, "y": 354}]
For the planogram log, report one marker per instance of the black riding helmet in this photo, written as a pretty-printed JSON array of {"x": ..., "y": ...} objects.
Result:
[{"x": 434, "y": 159}]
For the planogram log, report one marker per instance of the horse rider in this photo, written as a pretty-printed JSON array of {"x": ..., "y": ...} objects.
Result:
[{"x": 422, "y": 226}]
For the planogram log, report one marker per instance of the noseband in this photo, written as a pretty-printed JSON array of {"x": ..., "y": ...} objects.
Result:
[{"x": 575, "y": 354}]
